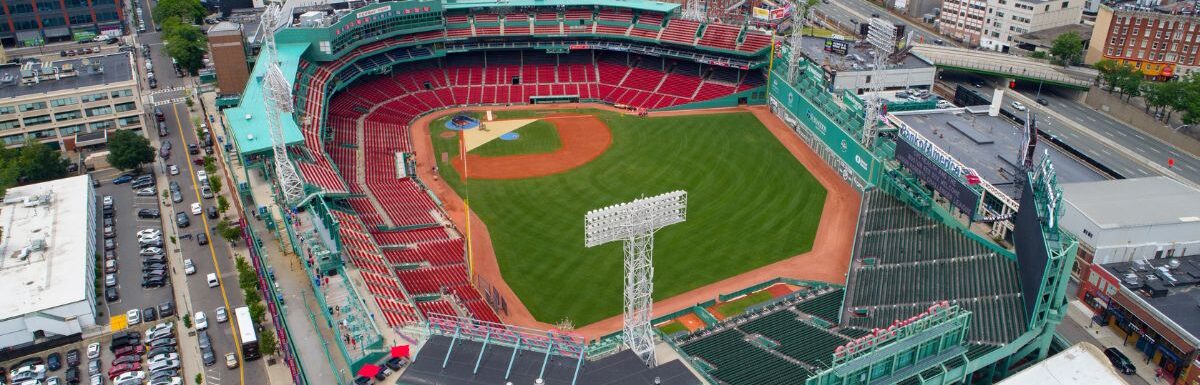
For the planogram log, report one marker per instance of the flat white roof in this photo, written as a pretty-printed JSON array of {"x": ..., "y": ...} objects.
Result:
[
  {"x": 1082, "y": 364},
  {"x": 1124, "y": 203},
  {"x": 53, "y": 213}
]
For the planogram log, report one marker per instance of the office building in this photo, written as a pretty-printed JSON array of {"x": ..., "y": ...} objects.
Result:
[
  {"x": 69, "y": 103},
  {"x": 47, "y": 261},
  {"x": 33, "y": 23}
]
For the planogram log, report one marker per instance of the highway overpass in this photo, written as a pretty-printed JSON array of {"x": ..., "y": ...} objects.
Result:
[{"x": 1005, "y": 65}]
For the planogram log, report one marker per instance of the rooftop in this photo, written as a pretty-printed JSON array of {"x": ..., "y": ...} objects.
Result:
[
  {"x": 1082, "y": 364},
  {"x": 249, "y": 119},
  {"x": 1181, "y": 8},
  {"x": 1122, "y": 203},
  {"x": 1173, "y": 291},
  {"x": 52, "y": 215},
  {"x": 989, "y": 145},
  {"x": 1045, "y": 38},
  {"x": 102, "y": 70},
  {"x": 859, "y": 56},
  {"x": 657, "y": 6}
]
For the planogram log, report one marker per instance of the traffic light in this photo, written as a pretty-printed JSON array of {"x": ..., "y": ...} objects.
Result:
[{"x": 1012, "y": 84}]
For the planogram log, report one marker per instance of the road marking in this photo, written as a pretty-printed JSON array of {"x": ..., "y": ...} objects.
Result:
[
  {"x": 1143, "y": 171},
  {"x": 1123, "y": 134},
  {"x": 237, "y": 344},
  {"x": 171, "y": 101}
]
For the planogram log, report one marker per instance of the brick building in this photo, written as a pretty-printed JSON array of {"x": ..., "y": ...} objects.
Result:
[{"x": 1161, "y": 41}]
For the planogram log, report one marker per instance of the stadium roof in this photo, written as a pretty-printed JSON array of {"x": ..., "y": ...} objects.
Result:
[
  {"x": 1082, "y": 364},
  {"x": 634, "y": 4},
  {"x": 248, "y": 119},
  {"x": 989, "y": 145},
  {"x": 1122, "y": 203},
  {"x": 624, "y": 368},
  {"x": 56, "y": 275},
  {"x": 115, "y": 68}
]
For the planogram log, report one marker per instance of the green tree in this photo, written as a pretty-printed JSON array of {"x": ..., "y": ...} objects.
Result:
[
  {"x": 214, "y": 183},
  {"x": 1039, "y": 55},
  {"x": 268, "y": 345},
  {"x": 199, "y": 379},
  {"x": 806, "y": 10},
  {"x": 128, "y": 151},
  {"x": 231, "y": 232},
  {"x": 186, "y": 44},
  {"x": 222, "y": 204},
  {"x": 187, "y": 11},
  {"x": 252, "y": 296},
  {"x": 257, "y": 312},
  {"x": 39, "y": 162},
  {"x": 1067, "y": 49}
]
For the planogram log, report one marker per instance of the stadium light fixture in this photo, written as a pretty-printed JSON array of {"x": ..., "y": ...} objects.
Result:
[{"x": 634, "y": 223}]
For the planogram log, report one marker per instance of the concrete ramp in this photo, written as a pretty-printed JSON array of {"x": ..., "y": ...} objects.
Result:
[{"x": 1001, "y": 64}]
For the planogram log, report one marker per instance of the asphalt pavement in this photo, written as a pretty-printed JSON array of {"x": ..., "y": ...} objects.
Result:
[{"x": 215, "y": 257}]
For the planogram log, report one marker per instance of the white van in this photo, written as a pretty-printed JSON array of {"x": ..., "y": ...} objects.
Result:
[{"x": 212, "y": 280}]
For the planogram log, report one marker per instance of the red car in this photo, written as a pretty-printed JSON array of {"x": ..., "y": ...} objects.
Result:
[
  {"x": 123, "y": 368},
  {"x": 135, "y": 349}
]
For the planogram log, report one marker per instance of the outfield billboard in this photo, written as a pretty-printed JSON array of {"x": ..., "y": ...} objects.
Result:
[
  {"x": 847, "y": 148},
  {"x": 960, "y": 195},
  {"x": 1030, "y": 244}
]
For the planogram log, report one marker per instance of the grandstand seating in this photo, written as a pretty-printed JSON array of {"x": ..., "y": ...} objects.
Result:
[
  {"x": 720, "y": 36},
  {"x": 739, "y": 362},
  {"x": 902, "y": 248},
  {"x": 797, "y": 339},
  {"x": 826, "y": 305},
  {"x": 681, "y": 31}
]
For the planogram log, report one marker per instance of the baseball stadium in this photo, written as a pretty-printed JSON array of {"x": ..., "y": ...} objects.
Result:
[{"x": 446, "y": 153}]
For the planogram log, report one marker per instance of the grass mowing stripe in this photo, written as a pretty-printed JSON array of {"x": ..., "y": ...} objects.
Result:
[{"x": 751, "y": 204}]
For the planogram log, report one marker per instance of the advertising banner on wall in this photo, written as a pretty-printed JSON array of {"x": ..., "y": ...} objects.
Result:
[
  {"x": 849, "y": 150},
  {"x": 760, "y": 13}
]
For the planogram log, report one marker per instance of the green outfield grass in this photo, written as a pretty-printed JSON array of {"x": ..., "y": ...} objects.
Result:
[
  {"x": 750, "y": 204},
  {"x": 536, "y": 137}
]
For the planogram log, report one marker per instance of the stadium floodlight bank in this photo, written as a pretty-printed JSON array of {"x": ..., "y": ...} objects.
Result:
[{"x": 635, "y": 223}]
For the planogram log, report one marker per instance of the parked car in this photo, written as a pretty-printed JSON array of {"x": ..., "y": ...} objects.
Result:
[
  {"x": 149, "y": 314},
  {"x": 173, "y": 170},
  {"x": 146, "y": 192},
  {"x": 189, "y": 267},
  {"x": 73, "y": 357},
  {"x": 202, "y": 239},
  {"x": 181, "y": 220},
  {"x": 200, "y": 320},
  {"x": 133, "y": 316},
  {"x": 148, "y": 213},
  {"x": 132, "y": 350},
  {"x": 1119, "y": 361},
  {"x": 93, "y": 350},
  {"x": 117, "y": 370},
  {"x": 54, "y": 361},
  {"x": 221, "y": 316},
  {"x": 111, "y": 295},
  {"x": 166, "y": 309},
  {"x": 122, "y": 179}
]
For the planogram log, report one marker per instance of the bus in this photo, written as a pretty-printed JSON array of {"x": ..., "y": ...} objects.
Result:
[{"x": 246, "y": 333}]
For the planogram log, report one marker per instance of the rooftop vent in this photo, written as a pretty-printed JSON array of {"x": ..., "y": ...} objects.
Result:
[{"x": 37, "y": 244}]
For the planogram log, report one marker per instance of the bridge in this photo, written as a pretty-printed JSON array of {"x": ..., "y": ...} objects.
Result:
[{"x": 1005, "y": 65}]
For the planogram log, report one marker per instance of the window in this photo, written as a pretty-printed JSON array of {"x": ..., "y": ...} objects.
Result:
[
  {"x": 94, "y": 97},
  {"x": 129, "y": 106},
  {"x": 129, "y": 121},
  {"x": 13, "y": 139},
  {"x": 122, "y": 93},
  {"x": 5, "y": 110},
  {"x": 70, "y": 130},
  {"x": 102, "y": 125},
  {"x": 35, "y": 120},
  {"x": 67, "y": 115},
  {"x": 32, "y": 106},
  {"x": 63, "y": 102},
  {"x": 10, "y": 124},
  {"x": 98, "y": 111},
  {"x": 43, "y": 134}
]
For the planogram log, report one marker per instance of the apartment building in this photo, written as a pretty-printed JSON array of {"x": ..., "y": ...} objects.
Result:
[
  {"x": 963, "y": 20},
  {"x": 1161, "y": 41},
  {"x": 1007, "y": 19},
  {"x": 69, "y": 103},
  {"x": 36, "y": 22}
]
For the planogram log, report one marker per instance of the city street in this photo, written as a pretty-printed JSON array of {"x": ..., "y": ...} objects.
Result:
[
  {"x": 1086, "y": 143},
  {"x": 216, "y": 256}
]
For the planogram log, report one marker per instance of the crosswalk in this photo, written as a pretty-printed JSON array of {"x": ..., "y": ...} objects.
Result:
[{"x": 160, "y": 103}]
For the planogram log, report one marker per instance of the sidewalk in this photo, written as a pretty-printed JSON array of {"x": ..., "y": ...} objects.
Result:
[
  {"x": 1078, "y": 327},
  {"x": 306, "y": 334}
]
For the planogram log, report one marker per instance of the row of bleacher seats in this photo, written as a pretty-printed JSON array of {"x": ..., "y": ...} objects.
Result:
[
  {"x": 738, "y": 362},
  {"x": 826, "y": 305},
  {"x": 920, "y": 261},
  {"x": 935, "y": 280},
  {"x": 648, "y": 25},
  {"x": 797, "y": 339},
  {"x": 361, "y": 251}
]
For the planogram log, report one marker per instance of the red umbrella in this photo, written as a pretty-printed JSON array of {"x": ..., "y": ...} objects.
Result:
[
  {"x": 368, "y": 370},
  {"x": 400, "y": 351}
]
